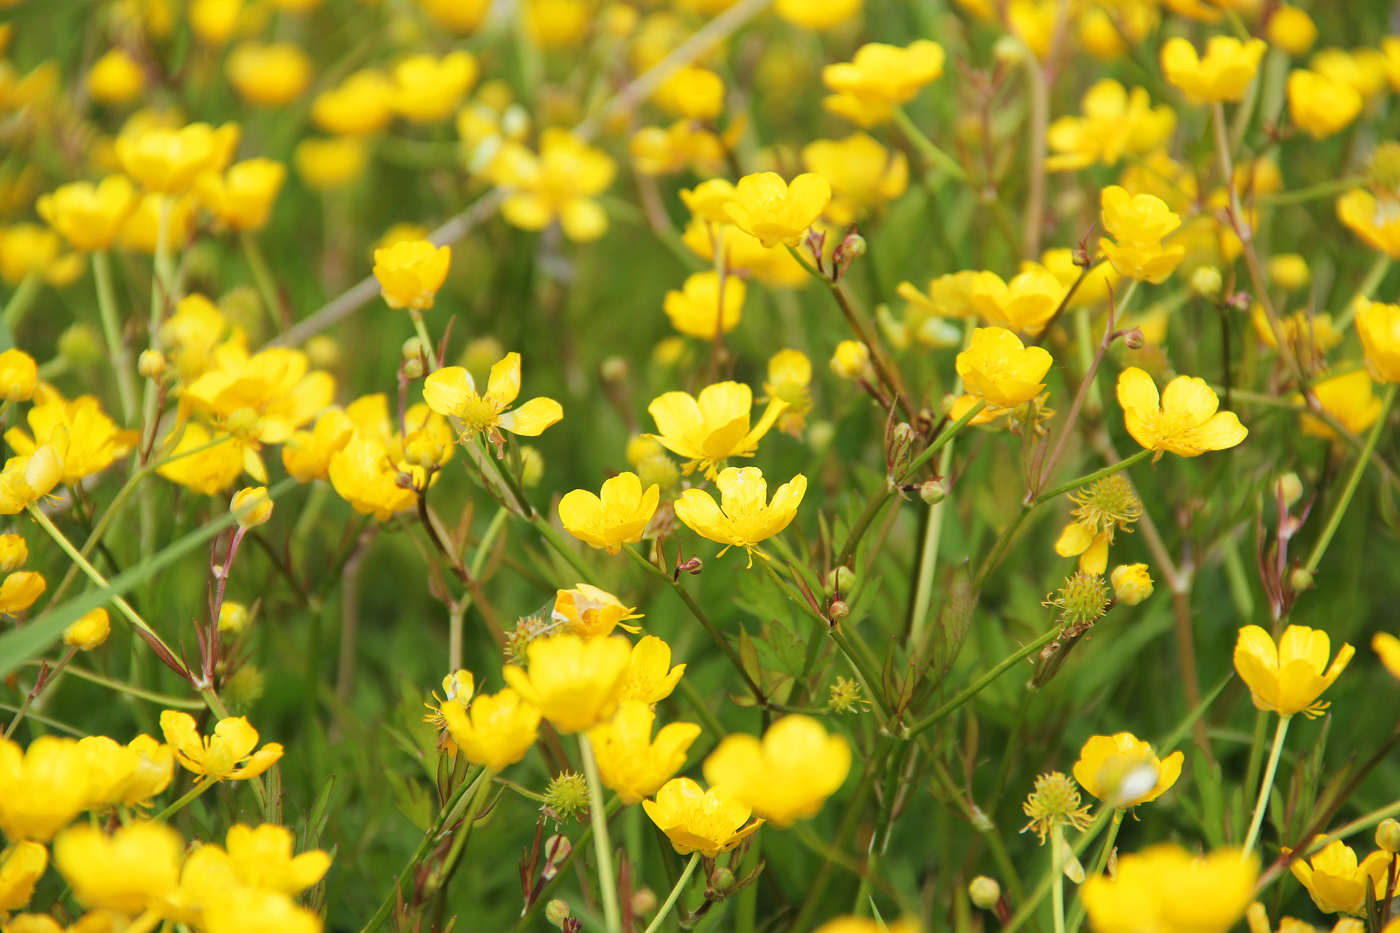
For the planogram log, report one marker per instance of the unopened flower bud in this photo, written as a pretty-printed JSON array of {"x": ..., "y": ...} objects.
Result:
[
  {"x": 643, "y": 902},
  {"x": 80, "y": 345},
  {"x": 251, "y": 506},
  {"x": 614, "y": 369},
  {"x": 1134, "y": 339},
  {"x": 932, "y": 491},
  {"x": 13, "y": 553},
  {"x": 903, "y": 433},
  {"x": 557, "y": 848},
  {"x": 693, "y": 566},
  {"x": 721, "y": 879},
  {"x": 413, "y": 369},
  {"x": 840, "y": 580},
  {"x": 1301, "y": 579},
  {"x": 984, "y": 892},
  {"x": 1131, "y": 583},
  {"x": 413, "y": 349},
  {"x": 556, "y": 912},
  {"x": 839, "y": 611},
  {"x": 423, "y": 448},
  {"x": 531, "y": 466},
  {"x": 233, "y": 617},
  {"x": 1388, "y": 836},
  {"x": 851, "y": 359},
  {"x": 852, "y": 246},
  {"x": 151, "y": 364},
  {"x": 1206, "y": 281},
  {"x": 1290, "y": 488}
]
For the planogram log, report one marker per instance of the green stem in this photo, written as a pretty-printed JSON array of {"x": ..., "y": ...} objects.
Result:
[
  {"x": 602, "y": 847},
  {"x": 1057, "y": 875},
  {"x": 112, "y": 330},
  {"x": 1324, "y": 189},
  {"x": 180, "y": 804},
  {"x": 1365, "y": 290},
  {"x": 1334, "y": 520},
  {"x": 1262, "y": 803},
  {"x": 1077, "y": 914},
  {"x": 661, "y": 915},
  {"x": 262, "y": 277},
  {"x": 38, "y": 689},
  {"x": 547, "y": 891},
  {"x": 927, "y": 147},
  {"x": 18, "y": 305},
  {"x": 158, "y": 698},
  {"x": 981, "y": 683},
  {"x": 421, "y": 328}
]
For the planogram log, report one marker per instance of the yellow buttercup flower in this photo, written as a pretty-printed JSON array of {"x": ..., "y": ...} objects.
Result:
[
  {"x": 1026, "y": 303},
  {"x": 451, "y": 391},
  {"x": 850, "y": 360},
  {"x": 787, "y": 775},
  {"x": 999, "y": 369},
  {"x": 692, "y": 92},
  {"x": 879, "y": 78},
  {"x": 1169, "y": 889},
  {"x": 1388, "y": 647},
  {"x": 557, "y": 24},
  {"x": 743, "y": 517},
  {"x": 13, "y": 552},
  {"x": 270, "y": 75},
  {"x": 1376, "y": 222},
  {"x": 816, "y": 14},
  {"x": 429, "y": 89},
  {"x": 364, "y": 475},
  {"x": 1122, "y": 771},
  {"x": 1349, "y": 398},
  {"x": 707, "y": 199},
  {"x": 226, "y": 754},
  {"x": 1223, "y": 74},
  {"x": 127, "y": 872},
  {"x": 617, "y": 517},
  {"x": 742, "y": 253},
  {"x": 361, "y": 104},
  {"x": 1138, "y": 223},
  {"x": 789, "y": 378},
  {"x": 712, "y": 427},
  {"x": 590, "y": 612},
  {"x": 662, "y": 151},
  {"x": 1092, "y": 291},
  {"x": 89, "y": 631},
  {"x": 698, "y": 311},
  {"x": 573, "y": 682},
  {"x": 770, "y": 209},
  {"x": 496, "y": 731},
  {"x": 261, "y": 857},
  {"x": 90, "y": 216},
  {"x": 128, "y": 774},
  {"x": 19, "y": 373},
  {"x": 307, "y": 454},
  {"x": 21, "y": 867},
  {"x": 90, "y": 440},
  {"x": 650, "y": 677},
  {"x": 1288, "y": 678},
  {"x": 330, "y": 164},
  {"x": 1364, "y": 69},
  {"x": 213, "y": 21},
  {"x": 561, "y": 183},
  {"x": 242, "y": 197},
  {"x": 168, "y": 160},
  {"x": 630, "y": 761},
  {"x": 1292, "y": 29},
  {"x": 462, "y": 16},
  {"x": 20, "y": 591},
  {"x": 1183, "y": 421},
  {"x": 1378, "y": 325},
  {"x": 1337, "y": 882},
  {"x": 27, "y": 249},
  {"x": 699, "y": 820},
  {"x": 42, "y": 788},
  {"x": 115, "y": 78},
  {"x": 410, "y": 273},
  {"x": 30, "y": 477},
  {"x": 264, "y": 396},
  {"x": 208, "y": 472},
  {"x": 863, "y": 174},
  {"x": 1320, "y": 105},
  {"x": 1115, "y": 123},
  {"x": 1289, "y": 270}
]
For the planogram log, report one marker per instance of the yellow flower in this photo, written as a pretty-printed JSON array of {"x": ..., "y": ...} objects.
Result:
[
  {"x": 1166, "y": 888},
  {"x": 692, "y": 92},
  {"x": 1026, "y": 303},
  {"x": 269, "y": 75},
  {"x": 193, "y": 334},
  {"x": 13, "y": 552},
  {"x": 770, "y": 209},
  {"x": 1138, "y": 223},
  {"x": 773, "y": 266},
  {"x": 851, "y": 360},
  {"x": 1378, "y": 325},
  {"x": 1377, "y": 223},
  {"x": 1289, "y": 270},
  {"x": 1184, "y": 421},
  {"x": 1364, "y": 69},
  {"x": 213, "y": 20},
  {"x": 18, "y": 375},
  {"x": 1222, "y": 75},
  {"x": 265, "y": 396},
  {"x": 1115, "y": 123},
  {"x": 89, "y": 631},
  {"x": 330, "y": 164},
  {"x": 1088, "y": 544},
  {"x": 816, "y": 14},
  {"x": 1319, "y": 105},
  {"x": 128, "y": 774},
  {"x": 1122, "y": 771},
  {"x": 233, "y": 617},
  {"x": 697, "y": 310},
  {"x": 27, "y": 249},
  {"x": 1337, "y": 882},
  {"x": 218, "y": 756},
  {"x": 744, "y": 517},
  {"x": 451, "y": 391},
  {"x": 710, "y": 428},
  {"x": 1288, "y": 678},
  {"x": 29, "y": 477},
  {"x": 699, "y": 820},
  {"x": 863, "y": 174},
  {"x": 1388, "y": 647},
  {"x": 617, "y": 517},
  {"x": 251, "y": 507},
  {"x": 307, "y": 454},
  {"x": 866, "y": 925},
  {"x": 363, "y": 103},
  {"x": 128, "y": 872},
  {"x": 1348, "y": 398},
  {"x": 555, "y": 24},
  {"x": 168, "y": 160},
  {"x": 363, "y": 474},
  {"x": 462, "y": 16},
  {"x": 999, "y": 369},
  {"x": 658, "y": 151},
  {"x": 262, "y": 858},
  {"x": 880, "y": 77},
  {"x": 629, "y": 761},
  {"x": 1092, "y": 291},
  {"x": 142, "y": 228},
  {"x": 115, "y": 78},
  {"x": 90, "y": 216},
  {"x": 93, "y": 440},
  {"x": 428, "y": 89},
  {"x": 42, "y": 788},
  {"x": 21, "y": 866},
  {"x": 20, "y": 590},
  {"x": 560, "y": 183},
  {"x": 411, "y": 272},
  {"x": 650, "y": 677},
  {"x": 242, "y": 198},
  {"x": 496, "y": 731},
  {"x": 707, "y": 200},
  {"x": 1292, "y": 30},
  {"x": 208, "y": 472},
  {"x": 573, "y": 682},
  {"x": 590, "y": 612},
  {"x": 237, "y": 909},
  {"x": 785, "y": 777},
  {"x": 1131, "y": 583},
  {"x": 789, "y": 375}
]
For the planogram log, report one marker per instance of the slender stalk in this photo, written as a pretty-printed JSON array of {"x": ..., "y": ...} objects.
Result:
[
  {"x": 421, "y": 329},
  {"x": 1324, "y": 189},
  {"x": 661, "y": 915},
  {"x": 262, "y": 277},
  {"x": 112, "y": 330},
  {"x": 1077, "y": 913},
  {"x": 158, "y": 698},
  {"x": 1039, "y": 132},
  {"x": 454, "y": 634},
  {"x": 602, "y": 848},
  {"x": 1334, "y": 520},
  {"x": 184, "y": 801},
  {"x": 981, "y": 683},
  {"x": 39, "y": 688},
  {"x": 20, "y": 300},
  {"x": 1262, "y": 803},
  {"x": 1057, "y": 875},
  {"x": 927, "y": 147}
]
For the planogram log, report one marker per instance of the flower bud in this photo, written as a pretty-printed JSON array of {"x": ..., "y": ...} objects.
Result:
[
  {"x": 851, "y": 359},
  {"x": 556, "y": 912},
  {"x": 840, "y": 580},
  {"x": 1388, "y": 836},
  {"x": 89, "y": 631},
  {"x": 721, "y": 879},
  {"x": 233, "y": 617},
  {"x": 412, "y": 349},
  {"x": 932, "y": 491},
  {"x": 1131, "y": 583},
  {"x": 151, "y": 364},
  {"x": 984, "y": 892},
  {"x": 1207, "y": 281},
  {"x": 838, "y": 611},
  {"x": 18, "y": 375},
  {"x": 80, "y": 345},
  {"x": 614, "y": 369},
  {"x": 557, "y": 848},
  {"x": 1290, "y": 488},
  {"x": 693, "y": 566},
  {"x": 412, "y": 369},
  {"x": 1134, "y": 339},
  {"x": 1301, "y": 579},
  {"x": 643, "y": 902},
  {"x": 13, "y": 553},
  {"x": 531, "y": 466},
  {"x": 423, "y": 448},
  {"x": 251, "y": 507}
]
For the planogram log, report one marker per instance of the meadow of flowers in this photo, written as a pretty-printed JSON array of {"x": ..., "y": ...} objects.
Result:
[{"x": 728, "y": 465}]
